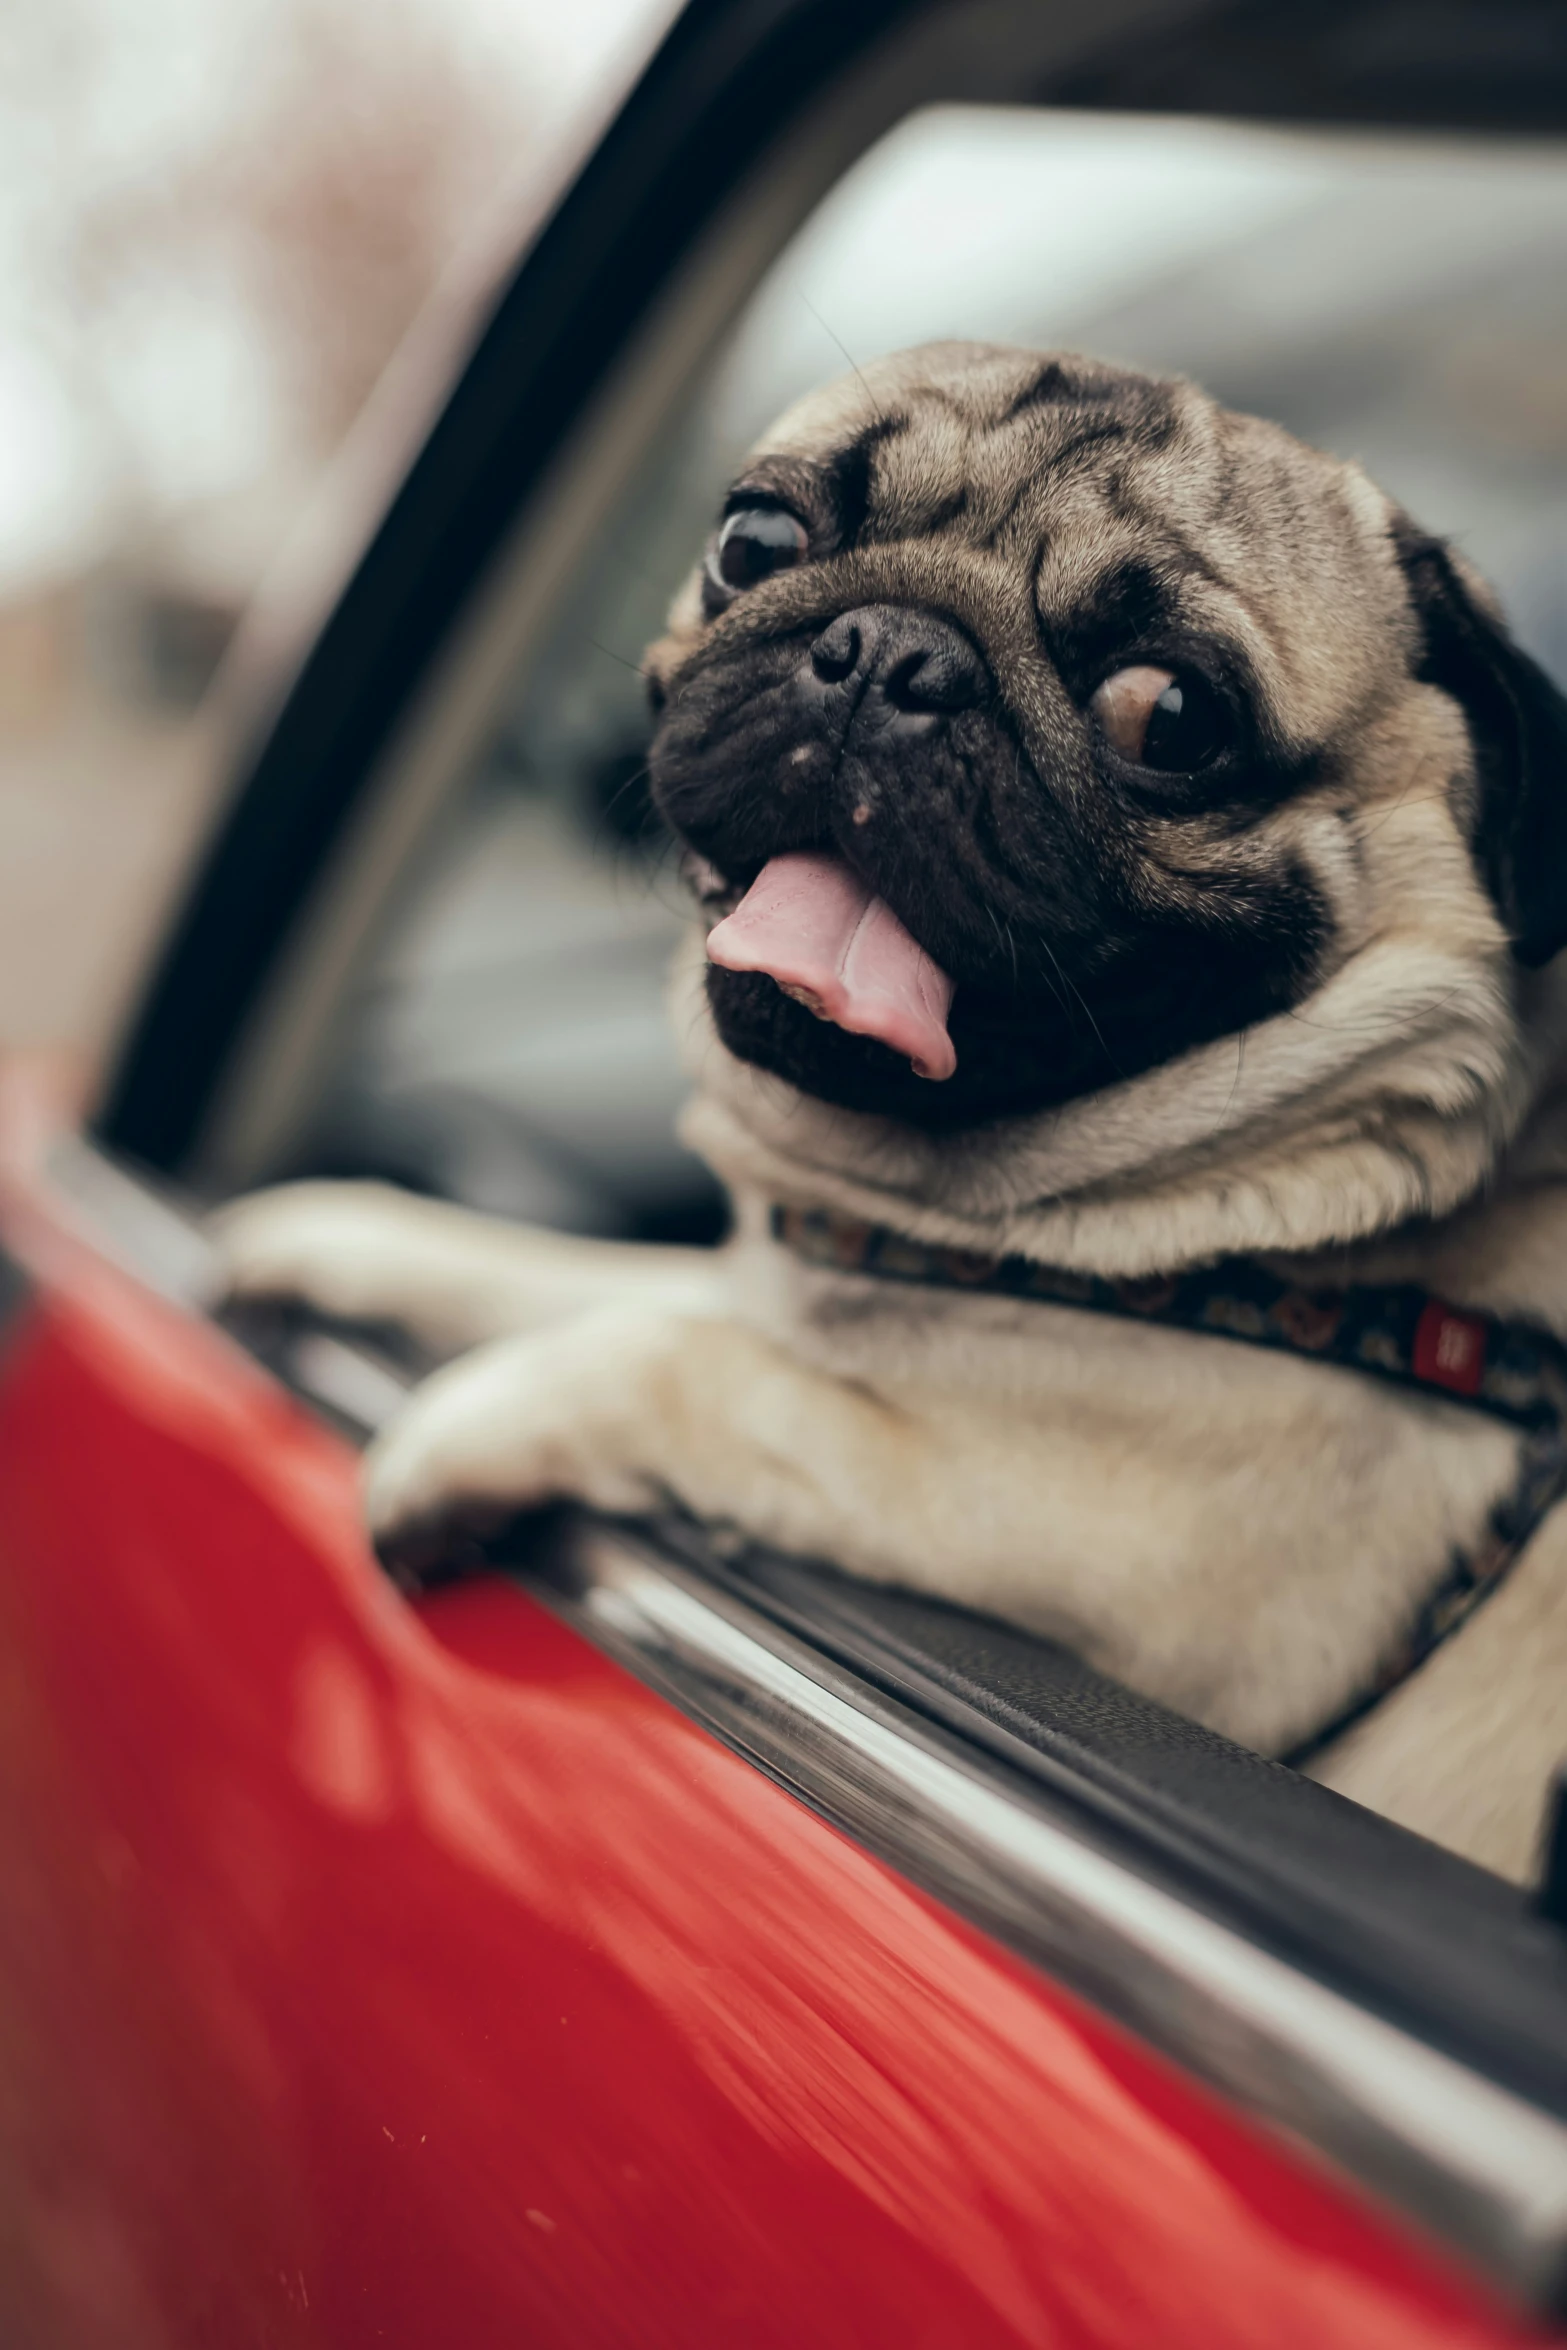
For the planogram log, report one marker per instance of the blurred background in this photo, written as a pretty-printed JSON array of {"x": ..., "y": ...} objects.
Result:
[{"x": 216, "y": 225}]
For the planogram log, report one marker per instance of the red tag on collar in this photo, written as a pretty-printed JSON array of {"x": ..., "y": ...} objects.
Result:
[{"x": 1449, "y": 1349}]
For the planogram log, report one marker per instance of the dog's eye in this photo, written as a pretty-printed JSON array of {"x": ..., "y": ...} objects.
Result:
[
  {"x": 755, "y": 542},
  {"x": 1173, "y": 723}
]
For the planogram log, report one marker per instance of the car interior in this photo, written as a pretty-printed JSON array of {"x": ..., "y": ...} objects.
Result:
[{"x": 457, "y": 980}]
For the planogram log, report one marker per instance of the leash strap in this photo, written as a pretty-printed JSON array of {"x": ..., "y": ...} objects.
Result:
[{"x": 1400, "y": 1333}]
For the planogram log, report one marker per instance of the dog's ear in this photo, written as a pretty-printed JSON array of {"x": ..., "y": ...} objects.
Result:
[{"x": 1518, "y": 726}]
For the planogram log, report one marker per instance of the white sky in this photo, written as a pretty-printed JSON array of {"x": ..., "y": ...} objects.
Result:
[{"x": 148, "y": 78}]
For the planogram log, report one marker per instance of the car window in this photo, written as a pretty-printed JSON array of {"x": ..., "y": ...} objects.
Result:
[{"x": 1401, "y": 300}]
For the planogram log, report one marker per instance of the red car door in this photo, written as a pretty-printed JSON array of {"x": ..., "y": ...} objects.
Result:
[{"x": 377, "y": 1973}]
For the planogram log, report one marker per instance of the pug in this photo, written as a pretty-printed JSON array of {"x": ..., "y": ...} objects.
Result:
[{"x": 1130, "y": 860}]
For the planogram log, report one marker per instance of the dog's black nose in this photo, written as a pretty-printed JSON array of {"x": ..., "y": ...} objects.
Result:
[{"x": 913, "y": 662}]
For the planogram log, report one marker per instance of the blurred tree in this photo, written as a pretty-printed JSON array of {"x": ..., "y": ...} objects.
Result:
[
  {"x": 336, "y": 197},
  {"x": 332, "y": 196},
  {"x": 230, "y": 217}
]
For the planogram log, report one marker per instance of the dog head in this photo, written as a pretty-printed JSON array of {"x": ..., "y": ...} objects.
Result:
[{"x": 1030, "y": 722}]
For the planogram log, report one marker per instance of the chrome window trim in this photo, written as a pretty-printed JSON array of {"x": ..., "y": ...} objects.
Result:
[
  {"x": 144, "y": 1230},
  {"x": 1475, "y": 2165}
]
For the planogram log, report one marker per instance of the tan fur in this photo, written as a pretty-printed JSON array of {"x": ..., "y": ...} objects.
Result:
[{"x": 1239, "y": 1534}]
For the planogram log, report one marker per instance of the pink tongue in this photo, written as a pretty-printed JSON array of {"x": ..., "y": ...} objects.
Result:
[{"x": 808, "y": 923}]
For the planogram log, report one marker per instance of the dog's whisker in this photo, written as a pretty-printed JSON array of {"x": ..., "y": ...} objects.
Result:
[
  {"x": 1240, "y": 1063},
  {"x": 844, "y": 348},
  {"x": 636, "y": 668}
]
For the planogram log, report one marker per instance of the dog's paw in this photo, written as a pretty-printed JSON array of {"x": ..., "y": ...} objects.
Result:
[
  {"x": 558, "y": 1415},
  {"x": 336, "y": 1246}
]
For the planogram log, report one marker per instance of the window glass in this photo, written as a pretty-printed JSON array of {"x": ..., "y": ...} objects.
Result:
[{"x": 1403, "y": 301}]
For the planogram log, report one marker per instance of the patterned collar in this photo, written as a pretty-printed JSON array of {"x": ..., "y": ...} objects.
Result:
[{"x": 1511, "y": 1371}]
